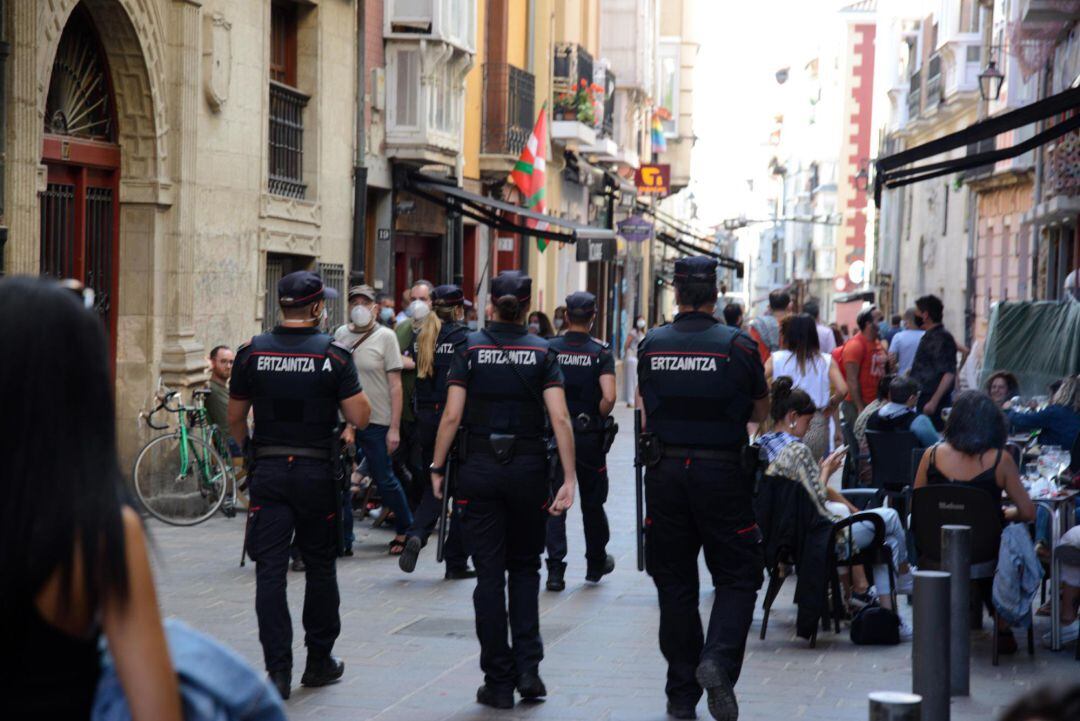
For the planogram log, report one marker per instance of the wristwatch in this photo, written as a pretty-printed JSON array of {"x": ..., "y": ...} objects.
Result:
[{"x": 437, "y": 470}]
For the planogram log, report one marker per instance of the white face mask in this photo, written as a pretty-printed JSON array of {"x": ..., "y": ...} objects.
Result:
[
  {"x": 419, "y": 310},
  {"x": 361, "y": 316},
  {"x": 558, "y": 323},
  {"x": 641, "y": 325}
]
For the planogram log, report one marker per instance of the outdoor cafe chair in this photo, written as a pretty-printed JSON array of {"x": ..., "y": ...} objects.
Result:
[{"x": 891, "y": 465}]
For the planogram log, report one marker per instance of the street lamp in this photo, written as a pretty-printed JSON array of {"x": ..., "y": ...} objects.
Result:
[{"x": 990, "y": 81}]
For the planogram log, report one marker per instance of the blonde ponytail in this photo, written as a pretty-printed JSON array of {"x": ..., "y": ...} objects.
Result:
[{"x": 428, "y": 337}]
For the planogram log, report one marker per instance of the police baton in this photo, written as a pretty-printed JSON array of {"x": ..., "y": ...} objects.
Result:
[
  {"x": 444, "y": 521},
  {"x": 639, "y": 488}
]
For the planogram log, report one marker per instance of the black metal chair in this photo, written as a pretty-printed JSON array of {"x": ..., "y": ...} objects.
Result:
[
  {"x": 891, "y": 456},
  {"x": 947, "y": 504},
  {"x": 875, "y": 553},
  {"x": 854, "y": 460}
]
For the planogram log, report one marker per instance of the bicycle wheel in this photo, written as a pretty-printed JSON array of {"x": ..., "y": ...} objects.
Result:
[{"x": 175, "y": 497}]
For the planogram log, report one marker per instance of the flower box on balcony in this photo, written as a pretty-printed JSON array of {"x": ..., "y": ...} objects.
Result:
[{"x": 572, "y": 133}]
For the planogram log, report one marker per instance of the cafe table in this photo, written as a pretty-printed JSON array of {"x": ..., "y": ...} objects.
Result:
[{"x": 1061, "y": 505}]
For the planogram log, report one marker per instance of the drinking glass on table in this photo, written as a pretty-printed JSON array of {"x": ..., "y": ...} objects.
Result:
[{"x": 945, "y": 413}]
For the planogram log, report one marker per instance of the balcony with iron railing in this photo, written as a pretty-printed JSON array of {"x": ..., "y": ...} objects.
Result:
[
  {"x": 607, "y": 122},
  {"x": 286, "y": 151},
  {"x": 578, "y": 99},
  {"x": 573, "y": 65},
  {"x": 508, "y": 115}
]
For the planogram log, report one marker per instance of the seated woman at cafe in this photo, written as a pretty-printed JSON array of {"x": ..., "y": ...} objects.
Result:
[
  {"x": 899, "y": 414},
  {"x": 789, "y": 457},
  {"x": 1002, "y": 386},
  {"x": 972, "y": 452},
  {"x": 1059, "y": 423}
]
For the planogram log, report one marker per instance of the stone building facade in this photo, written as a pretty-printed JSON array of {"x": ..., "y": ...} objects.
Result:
[{"x": 212, "y": 152}]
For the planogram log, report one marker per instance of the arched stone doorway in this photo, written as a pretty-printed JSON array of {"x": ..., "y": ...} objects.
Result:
[{"x": 79, "y": 207}]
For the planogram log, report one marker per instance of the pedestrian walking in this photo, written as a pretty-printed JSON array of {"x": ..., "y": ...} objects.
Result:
[
  {"x": 504, "y": 384},
  {"x": 378, "y": 363},
  {"x": 826, "y": 337},
  {"x": 442, "y": 335},
  {"x": 765, "y": 329},
  {"x": 296, "y": 379},
  {"x": 733, "y": 315},
  {"x": 588, "y": 368},
  {"x": 407, "y": 462},
  {"x": 700, "y": 383},
  {"x": 934, "y": 366},
  {"x": 73, "y": 557},
  {"x": 903, "y": 345},
  {"x": 864, "y": 362},
  {"x": 630, "y": 359}
]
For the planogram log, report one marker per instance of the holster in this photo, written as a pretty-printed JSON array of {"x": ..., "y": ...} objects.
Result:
[
  {"x": 650, "y": 449},
  {"x": 753, "y": 466},
  {"x": 610, "y": 429},
  {"x": 249, "y": 463},
  {"x": 502, "y": 446}
]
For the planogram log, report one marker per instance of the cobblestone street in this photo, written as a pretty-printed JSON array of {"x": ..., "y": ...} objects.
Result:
[{"x": 411, "y": 653}]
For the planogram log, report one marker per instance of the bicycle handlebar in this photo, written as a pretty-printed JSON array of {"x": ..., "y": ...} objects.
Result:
[{"x": 163, "y": 405}]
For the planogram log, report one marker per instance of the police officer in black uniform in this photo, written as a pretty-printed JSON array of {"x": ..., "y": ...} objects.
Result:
[
  {"x": 588, "y": 368},
  {"x": 699, "y": 383},
  {"x": 296, "y": 379},
  {"x": 503, "y": 383},
  {"x": 442, "y": 334}
]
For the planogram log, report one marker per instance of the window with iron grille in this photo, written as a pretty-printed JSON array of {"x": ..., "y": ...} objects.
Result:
[
  {"x": 509, "y": 107},
  {"x": 333, "y": 276},
  {"x": 286, "y": 143}
]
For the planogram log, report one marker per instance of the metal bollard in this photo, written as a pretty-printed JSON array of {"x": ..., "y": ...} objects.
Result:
[
  {"x": 895, "y": 706},
  {"x": 930, "y": 647},
  {"x": 956, "y": 560}
]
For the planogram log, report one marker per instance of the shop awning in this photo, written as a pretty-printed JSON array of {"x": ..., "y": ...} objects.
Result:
[
  {"x": 682, "y": 236},
  {"x": 684, "y": 246},
  {"x": 499, "y": 214},
  {"x": 892, "y": 173}
]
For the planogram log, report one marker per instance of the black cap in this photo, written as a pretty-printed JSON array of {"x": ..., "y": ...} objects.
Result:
[
  {"x": 447, "y": 295},
  {"x": 512, "y": 282},
  {"x": 581, "y": 303},
  {"x": 695, "y": 269},
  {"x": 300, "y": 288}
]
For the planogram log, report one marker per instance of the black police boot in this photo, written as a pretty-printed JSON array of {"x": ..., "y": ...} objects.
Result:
[
  {"x": 322, "y": 670},
  {"x": 459, "y": 574},
  {"x": 715, "y": 681},
  {"x": 595, "y": 574},
  {"x": 409, "y": 554},
  {"x": 495, "y": 698},
  {"x": 282, "y": 681},
  {"x": 681, "y": 711},
  {"x": 531, "y": 686},
  {"x": 556, "y": 571}
]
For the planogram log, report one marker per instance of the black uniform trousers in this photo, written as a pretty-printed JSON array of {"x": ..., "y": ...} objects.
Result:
[
  {"x": 290, "y": 496},
  {"x": 695, "y": 504},
  {"x": 427, "y": 513},
  {"x": 593, "y": 487},
  {"x": 503, "y": 514}
]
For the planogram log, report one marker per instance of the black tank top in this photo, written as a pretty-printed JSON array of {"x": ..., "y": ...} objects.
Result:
[
  {"x": 51, "y": 674},
  {"x": 986, "y": 480}
]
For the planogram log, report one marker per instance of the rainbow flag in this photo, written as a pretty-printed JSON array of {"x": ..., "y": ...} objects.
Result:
[{"x": 529, "y": 173}]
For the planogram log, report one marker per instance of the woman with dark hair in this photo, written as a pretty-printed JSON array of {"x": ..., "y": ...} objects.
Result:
[
  {"x": 73, "y": 556},
  {"x": 1002, "y": 386},
  {"x": 972, "y": 453},
  {"x": 789, "y": 457},
  {"x": 502, "y": 386},
  {"x": 540, "y": 325},
  {"x": 559, "y": 321},
  {"x": 813, "y": 372}
]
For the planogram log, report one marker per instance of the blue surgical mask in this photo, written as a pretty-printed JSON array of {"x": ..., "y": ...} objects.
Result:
[{"x": 386, "y": 314}]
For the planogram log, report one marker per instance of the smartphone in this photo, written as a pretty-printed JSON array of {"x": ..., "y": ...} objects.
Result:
[{"x": 841, "y": 449}]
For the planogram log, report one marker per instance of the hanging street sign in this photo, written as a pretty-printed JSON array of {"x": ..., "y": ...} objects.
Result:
[
  {"x": 635, "y": 229},
  {"x": 654, "y": 179}
]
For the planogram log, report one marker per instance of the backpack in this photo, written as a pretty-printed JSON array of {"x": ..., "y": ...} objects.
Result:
[{"x": 875, "y": 626}]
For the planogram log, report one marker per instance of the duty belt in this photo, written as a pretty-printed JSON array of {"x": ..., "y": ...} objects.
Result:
[
  {"x": 524, "y": 446},
  {"x": 701, "y": 453},
  {"x": 321, "y": 454},
  {"x": 584, "y": 423}
]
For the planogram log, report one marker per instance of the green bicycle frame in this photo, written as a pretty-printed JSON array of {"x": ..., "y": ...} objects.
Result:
[{"x": 205, "y": 461}]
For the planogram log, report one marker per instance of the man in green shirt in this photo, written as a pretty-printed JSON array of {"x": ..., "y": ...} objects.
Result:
[
  {"x": 408, "y": 453},
  {"x": 217, "y": 403}
]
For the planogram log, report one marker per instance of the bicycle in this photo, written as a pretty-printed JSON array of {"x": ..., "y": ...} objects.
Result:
[{"x": 180, "y": 477}]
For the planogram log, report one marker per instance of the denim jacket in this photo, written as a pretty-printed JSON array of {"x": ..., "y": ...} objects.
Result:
[
  {"x": 1018, "y": 575},
  {"x": 216, "y": 684}
]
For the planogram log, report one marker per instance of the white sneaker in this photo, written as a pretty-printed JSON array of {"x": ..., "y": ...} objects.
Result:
[
  {"x": 905, "y": 584},
  {"x": 1068, "y": 634},
  {"x": 906, "y": 631},
  {"x": 869, "y": 597}
]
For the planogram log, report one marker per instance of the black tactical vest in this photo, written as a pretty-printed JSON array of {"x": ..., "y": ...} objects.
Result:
[
  {"x": 498, "y": 401},
  {"x": 294, "y": 378},
  {"x": 579, "y": 358},
  {"x": 686, "y": 385},
  {"x": 431, "y": 391}
]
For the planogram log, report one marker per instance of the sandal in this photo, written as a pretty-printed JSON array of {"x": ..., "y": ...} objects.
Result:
[{"x": 396, "y": 547}]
